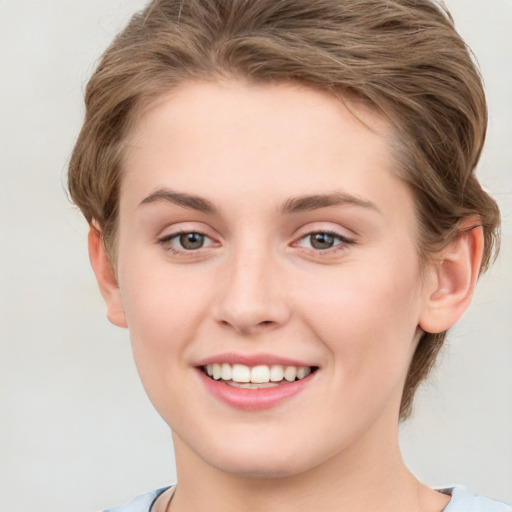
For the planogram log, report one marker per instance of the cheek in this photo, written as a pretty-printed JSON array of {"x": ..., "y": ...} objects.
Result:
[
  {"x": 164, "y": 313},
  {"x": 367, "y": 316},
  {"x": 163, "y": 307}
]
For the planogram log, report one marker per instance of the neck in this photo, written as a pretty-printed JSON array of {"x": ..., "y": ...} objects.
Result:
[{"x": 354, "y": 481}]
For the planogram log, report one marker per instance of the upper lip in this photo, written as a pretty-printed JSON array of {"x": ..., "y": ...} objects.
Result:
[{"x": 251, "y": 360}]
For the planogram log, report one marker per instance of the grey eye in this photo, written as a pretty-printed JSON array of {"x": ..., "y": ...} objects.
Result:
[
  {"x": 191, "y": 241},
  {"x": 322, "y": 240}
]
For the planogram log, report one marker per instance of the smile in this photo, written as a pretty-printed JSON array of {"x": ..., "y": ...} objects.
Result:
[
  {"x": 255, "y": 386},
  {"x": 256, "y": 377}
]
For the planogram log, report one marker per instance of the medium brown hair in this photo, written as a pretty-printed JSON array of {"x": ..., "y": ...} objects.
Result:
[{"x": 402, "y": 56}]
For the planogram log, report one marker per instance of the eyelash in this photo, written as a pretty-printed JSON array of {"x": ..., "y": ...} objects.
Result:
[
  {"x": 344, "y": 242},
  {"x": 166, "y": 240}
]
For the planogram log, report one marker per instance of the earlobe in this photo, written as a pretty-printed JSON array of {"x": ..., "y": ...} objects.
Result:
[
  {"x": 106, "y": 278},
  {"x": 453, "y": 278}
]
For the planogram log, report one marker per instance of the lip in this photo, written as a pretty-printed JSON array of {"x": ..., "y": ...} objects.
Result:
[
  {"x": 252, "y": 360},
  {"x": 253, "y": 399}
]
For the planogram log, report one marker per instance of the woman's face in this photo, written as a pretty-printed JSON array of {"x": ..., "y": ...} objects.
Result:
[{"x": 263, "y": 236}]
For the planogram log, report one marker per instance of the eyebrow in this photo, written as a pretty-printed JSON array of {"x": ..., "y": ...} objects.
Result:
[
  {"x": 181, "y": 199},
  {"x": 292, "y": 205},
  {"x": 317, "y": 201}
]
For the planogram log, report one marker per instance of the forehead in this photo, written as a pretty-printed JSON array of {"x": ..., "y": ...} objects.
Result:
[
  {"x": 234, "y": 104},
  {"x": 288, "y": 139}
]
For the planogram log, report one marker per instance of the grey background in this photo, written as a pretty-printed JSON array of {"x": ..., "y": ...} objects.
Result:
[{"x": 76, "y": 430}]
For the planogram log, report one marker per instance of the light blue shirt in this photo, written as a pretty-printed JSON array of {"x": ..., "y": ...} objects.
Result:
[{"x": 462, "y": 501}]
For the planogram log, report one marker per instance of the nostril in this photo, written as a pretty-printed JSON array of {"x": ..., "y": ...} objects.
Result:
[{"x": 265, "y": 323}]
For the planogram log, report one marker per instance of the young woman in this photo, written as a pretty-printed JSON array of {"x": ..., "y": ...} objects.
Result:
[{"x": 283, "y": 212}]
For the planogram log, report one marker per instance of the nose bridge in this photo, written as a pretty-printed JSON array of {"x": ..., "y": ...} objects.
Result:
[{"x": 251, "y": 298}]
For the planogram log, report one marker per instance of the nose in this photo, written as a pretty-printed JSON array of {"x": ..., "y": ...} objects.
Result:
[{"x": 252, "y": 296}]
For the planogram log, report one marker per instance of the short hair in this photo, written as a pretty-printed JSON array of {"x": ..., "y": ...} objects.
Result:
[{"x": 404, "y": 57}]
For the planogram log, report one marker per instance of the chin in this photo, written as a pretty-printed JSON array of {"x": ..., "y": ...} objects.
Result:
[
  {"x": 270, "y": 461},
  {"x": 265, "y": 469}
]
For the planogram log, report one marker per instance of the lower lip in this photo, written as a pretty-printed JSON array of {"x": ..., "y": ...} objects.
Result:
[{"x": 253, "y": 399}]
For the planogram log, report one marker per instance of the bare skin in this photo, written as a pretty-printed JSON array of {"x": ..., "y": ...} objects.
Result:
[{"x": 299, "y": 242}]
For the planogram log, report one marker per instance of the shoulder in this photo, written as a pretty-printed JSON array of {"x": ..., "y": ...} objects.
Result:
[
  {"x": 464, "y": 501},
  {"x": 141, "y": 503}
]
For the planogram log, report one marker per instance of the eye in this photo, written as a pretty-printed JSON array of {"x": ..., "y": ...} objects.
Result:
[
  {"x": 191, "y": 241},
  {"x": 323, "y": 241},
  {"x": 185, "y": 241}
]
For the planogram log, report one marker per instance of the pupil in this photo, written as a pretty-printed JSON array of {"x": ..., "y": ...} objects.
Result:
[
  {"x": 191, "y": 240},
  {"x": 322, "y": 241}
]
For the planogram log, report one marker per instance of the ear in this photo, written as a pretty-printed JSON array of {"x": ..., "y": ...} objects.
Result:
[
  {"x": 106, "y": 278},
  {"x": 453, "y": 278}
]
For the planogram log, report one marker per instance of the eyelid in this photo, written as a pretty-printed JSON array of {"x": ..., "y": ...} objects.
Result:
[
  {"x": 167, "y": 241},
  {"x": 334, "y": 234},
  {"x": 344, "y": 241},
  {"x": 332, "y": 228},
  {"x": 171, "y": 235},
  {"x": 181, "y": 227},
  {"x": 175, "y": 234}
]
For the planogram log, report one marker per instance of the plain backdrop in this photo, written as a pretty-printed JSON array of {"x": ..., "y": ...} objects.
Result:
[{"x": 76, "y": 430}]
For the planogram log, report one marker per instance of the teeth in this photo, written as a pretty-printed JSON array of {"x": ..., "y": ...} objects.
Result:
[
  {"x": 261, "y": 374},
  {"x": 240, "y": 373},
  {"x": 226, "y": 373},
  {"x": 290, "y": 373},
  {"x": 217, "y": 371},
  {"x": 276, "y": 373},
  {"x": 303, "y": 372},
  {"x": 251, "y": 385}
]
